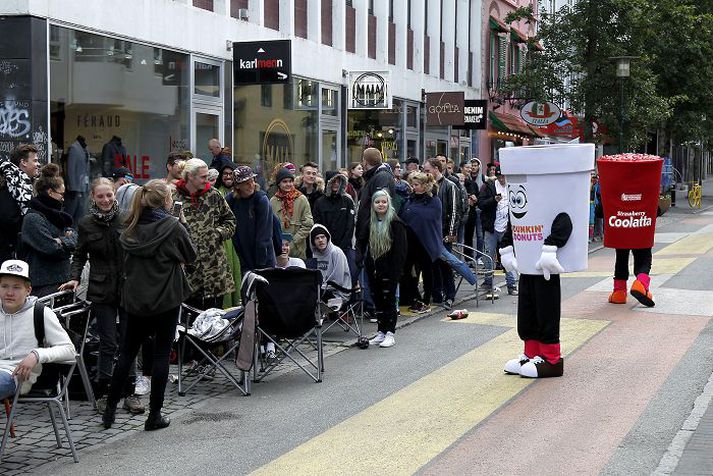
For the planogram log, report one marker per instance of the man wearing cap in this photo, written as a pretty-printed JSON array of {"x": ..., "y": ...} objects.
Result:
[
  {"x": 21, "y": 355},
  {"x": 253, "y": 238},
  {"x": 411, "y": 165},
  {"x": 493, "y": 203}
]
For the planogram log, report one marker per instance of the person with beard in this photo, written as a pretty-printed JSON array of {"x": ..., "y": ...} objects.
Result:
[
  {"x": 294, "y": 212},
  {"x": 48, "y": 238},
  {"x": 335, "y": 210},
  {"x": 99, "y": 244},
  {"x": 16, "y": 178}
]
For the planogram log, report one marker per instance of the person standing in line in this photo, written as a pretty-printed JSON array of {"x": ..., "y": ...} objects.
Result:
[
  {"x": 226, "y": 180},
  {"x": 310, "y": 183},
  {"x": 156, "y": 246},
  {"x": 48, "y": 238},
  {"x": 284, "y": 260},
  {"x": 99, "y": 244},
  {"x": 77, "y": 174},
  {"x": 210, "y": 223},
  {"x": 216, "y": 152},
  {"x": 473, "y": 231},
  {"x": 384, "y": 263},
  {"x": 356, "y": 178},
  {"x": 294, "y": 212}
]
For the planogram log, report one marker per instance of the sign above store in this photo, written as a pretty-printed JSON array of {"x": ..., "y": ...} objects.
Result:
[
  {"x": 262, "y": 62},
  {"x": 475, "y": 114},
  {"x": 444, "y": 109},
  {"x": 540, "y": 113},
  {"x": 369, "y": 90}
]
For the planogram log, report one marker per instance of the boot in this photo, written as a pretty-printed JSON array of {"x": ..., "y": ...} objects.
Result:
[
  {"x": 618, "y": 296},
  {"x": 109, "y": 414},
  {"x": 156, "y": 421},
  {"x": 640, "y": 290}
]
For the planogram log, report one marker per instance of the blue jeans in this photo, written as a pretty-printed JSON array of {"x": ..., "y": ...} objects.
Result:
[
  {"x": 491, "y": 246},
  {"x": 366, "y": 291},
  {"x": 458, "y": 266},
  {"x": 7, "y": 385}
]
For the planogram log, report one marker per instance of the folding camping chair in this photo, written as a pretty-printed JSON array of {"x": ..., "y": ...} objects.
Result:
[
  {"x": 288, "y": 315},
  {"x": 206, "y": 341},
  {"x": 349, "y": 316},
  {"x": 459, "y": 250}
]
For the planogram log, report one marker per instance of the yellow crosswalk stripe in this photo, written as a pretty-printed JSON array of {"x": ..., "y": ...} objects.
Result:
[
  {"x": 694, "y": 244},
  {"x": 427, "y": 416}
]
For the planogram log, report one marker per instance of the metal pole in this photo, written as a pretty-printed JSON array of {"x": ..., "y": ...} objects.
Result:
[{"x": 621, "y": 118}]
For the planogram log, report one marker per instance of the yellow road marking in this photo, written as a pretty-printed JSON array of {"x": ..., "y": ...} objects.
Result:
[
  {"x": 698, "y": 243},
  {"x": 669, "y": 265},
  {"x": 407, "y": 429}
]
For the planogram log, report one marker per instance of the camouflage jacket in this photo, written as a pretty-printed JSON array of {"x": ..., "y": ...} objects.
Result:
[{"x": 210, "y": 223}]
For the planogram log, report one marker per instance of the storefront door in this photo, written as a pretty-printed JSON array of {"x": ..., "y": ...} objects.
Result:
[
  {"x": 329, "y": 149},
  {"x": 207, "y": 126}
]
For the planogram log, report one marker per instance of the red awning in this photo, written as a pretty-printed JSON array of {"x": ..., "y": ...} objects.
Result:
[{"x": 511, "y": 123}]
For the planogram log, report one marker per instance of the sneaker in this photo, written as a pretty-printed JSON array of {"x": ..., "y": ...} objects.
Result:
[
  {"x": 491, "y": 293},
  {"x": 133, "y": 405},
  {"x": 618, "y": 296},
  {"x": 388, "y": 340},
  {"x": 448, "y": 303},
  {"x": 378, "y": 338},
  {"x": 418, "y": 308},
  {"x": 512, "y": 291},
  {"x": 270, "y": 357},
  {"x": 156, "y": 421},
  {"x": 101, "y": 405},
  {"x": 513, "y": 366},
  {"x": 540, "y": 368},
  {"x": 143, "y": 386}
]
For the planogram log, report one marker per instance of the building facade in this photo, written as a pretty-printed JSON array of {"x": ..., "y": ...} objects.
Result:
[{"x": 160, "y": 75}]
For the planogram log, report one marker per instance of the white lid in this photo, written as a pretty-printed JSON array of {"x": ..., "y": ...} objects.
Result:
[{"x": 547, "y": 159}]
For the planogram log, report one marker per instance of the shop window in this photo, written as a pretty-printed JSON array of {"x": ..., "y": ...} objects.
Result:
[
  {"x": 286, "y": 131},
  {"x": 106, "y": 89},
  {"x": 266, "y": 95},
  {"x": 330, "y": 102},
  {"x": 207, "y": 79},
  {"x": 379, "y": 128},
  {"x": 411, "y": 116}
]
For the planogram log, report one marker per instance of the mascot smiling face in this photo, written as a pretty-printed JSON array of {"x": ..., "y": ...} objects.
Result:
[{"x": 518, "y": 201}]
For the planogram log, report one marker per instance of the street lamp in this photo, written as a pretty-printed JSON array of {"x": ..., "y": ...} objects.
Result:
[{"x": 623, "y": 71}]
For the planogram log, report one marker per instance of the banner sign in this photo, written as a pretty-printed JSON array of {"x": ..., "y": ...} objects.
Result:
[
  {"x": 444, "y": 109},
  {"x": 475, "y": 115},
  {"x": 540, "y": 113},
  {"x": 262, "y": 62},
  {"x": 369, "y": 90}
]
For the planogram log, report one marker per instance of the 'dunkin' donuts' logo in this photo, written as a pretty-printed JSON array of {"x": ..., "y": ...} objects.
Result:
[{"x": 518, "y": 201}]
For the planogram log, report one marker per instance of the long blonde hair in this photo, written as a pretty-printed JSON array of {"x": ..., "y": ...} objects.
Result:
[
  {"x": 380, "y": 230},
  {"x": 427, "y": 180},
  {"x": 151, "y": 195}
]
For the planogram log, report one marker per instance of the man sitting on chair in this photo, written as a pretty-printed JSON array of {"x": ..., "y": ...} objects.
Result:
[
  {"x": 332, "y": 263},
  {"x": 20, "y": 353}
]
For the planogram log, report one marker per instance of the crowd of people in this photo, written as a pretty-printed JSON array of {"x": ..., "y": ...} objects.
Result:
[{"x": 188, "y": 237}]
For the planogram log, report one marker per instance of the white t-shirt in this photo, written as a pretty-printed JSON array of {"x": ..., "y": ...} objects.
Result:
[
  {"x": 501, "y": 213},
  {"x": 294, "y": 262}
]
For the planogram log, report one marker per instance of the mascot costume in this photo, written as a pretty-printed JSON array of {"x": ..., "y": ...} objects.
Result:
[
  {"x": 630, "y": 185},
  {"x": 548, "y": 189}
]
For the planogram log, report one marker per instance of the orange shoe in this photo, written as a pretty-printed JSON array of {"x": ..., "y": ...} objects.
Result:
[
  {"x": 643, "y": 295},
  {"x": 618, "y": 296}
]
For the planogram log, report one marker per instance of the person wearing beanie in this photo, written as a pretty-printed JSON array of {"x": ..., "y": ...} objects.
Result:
[
  {"x": 336, "y": 212},
  {"x": 331, "y": 262},
  {"x": 294, "y": 212}
]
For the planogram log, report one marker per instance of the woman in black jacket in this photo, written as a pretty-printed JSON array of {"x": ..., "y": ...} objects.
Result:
[
  {"x": 384, "y": 262},
  {"x": 156, "y": 246},
  {"x": 99, "y": 244}
]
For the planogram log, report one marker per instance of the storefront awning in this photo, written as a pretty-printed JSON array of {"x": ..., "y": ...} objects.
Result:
[
  {"x": 498, "y": 25},
  {"x": 513, "y": 124}
]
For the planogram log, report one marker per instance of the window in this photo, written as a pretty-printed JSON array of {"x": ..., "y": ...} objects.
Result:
[
  {"x": 371, "y": 7},
  {"x": 301, "y": 18},
  {"x": 272, "y": 14},
  {"x": 330, "y": 106},
  {"x": 207, "y": 79},
  {"x": 327, "y": 22},
  {"x": 266, "y": 95}
]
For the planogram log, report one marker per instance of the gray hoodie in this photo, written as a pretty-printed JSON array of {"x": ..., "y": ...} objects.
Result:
[
  {"x": 331, "y": 262},
  {"x": 17, "y": 340}
]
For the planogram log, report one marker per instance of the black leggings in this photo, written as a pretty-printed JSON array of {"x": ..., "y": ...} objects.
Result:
[
  {"x": 418, "y": 262},
  {"x": 163, "y": 328},
  {"x": 383, "y": 291},
  {"x": 538, "y": 308},
  {"x": 642, "y": 262}
]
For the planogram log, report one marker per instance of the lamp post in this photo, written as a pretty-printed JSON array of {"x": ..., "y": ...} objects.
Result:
[{"x": 623, "y": 71}]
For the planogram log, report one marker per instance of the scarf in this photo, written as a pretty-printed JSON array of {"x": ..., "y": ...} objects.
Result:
[
  {"x": 52, "y": 210},
  {"x": 288, "y": 205},
  {"x": 19, "y": 185},
  {"x": 105, "y": 217},
  {"x": 181, "y": 187},
  {"x": 150, "y": 215}
]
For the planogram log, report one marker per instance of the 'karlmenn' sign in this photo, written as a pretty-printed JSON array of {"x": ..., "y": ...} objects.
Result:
[{"x": 262, "y": 62}]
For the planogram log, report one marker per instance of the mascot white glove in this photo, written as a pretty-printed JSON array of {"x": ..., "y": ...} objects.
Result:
[
  {"x": 508, "y": 260},
  {"x": 548, "y": 263}
]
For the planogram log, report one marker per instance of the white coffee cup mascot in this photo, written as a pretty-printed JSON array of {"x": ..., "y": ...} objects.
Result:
[{"x": 548, "y": 189}]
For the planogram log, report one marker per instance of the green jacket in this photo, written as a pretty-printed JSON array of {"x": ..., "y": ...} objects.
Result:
[{"x": 298, "y": 225}]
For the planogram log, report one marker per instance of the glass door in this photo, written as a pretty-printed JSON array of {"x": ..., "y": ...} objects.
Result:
[
  {"x": 207, "y": 126},
  {"x": 329, "y": 146}
]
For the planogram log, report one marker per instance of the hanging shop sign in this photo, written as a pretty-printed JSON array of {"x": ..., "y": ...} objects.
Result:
[
  {"x": 475, "y": 114},
  {"x": 444, "y": 108},
  {"x": 369, "y": 90},
  {"x": 262, "y": 62},
  {"x": 540, "y": 113}
]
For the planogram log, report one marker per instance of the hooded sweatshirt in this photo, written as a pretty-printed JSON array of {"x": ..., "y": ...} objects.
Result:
[
  {"x": 17, "y": 340},
  {"x": 155, "y": 250},
  {"x": 331, "y": 262},
  {"x": 336, "y": 212}
]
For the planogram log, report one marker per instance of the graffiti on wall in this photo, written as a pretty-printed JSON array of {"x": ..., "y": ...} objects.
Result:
[{"x": 15, "y": 120}]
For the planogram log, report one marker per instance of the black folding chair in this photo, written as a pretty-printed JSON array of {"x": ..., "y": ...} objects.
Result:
[
  {"x": 227, "y": 339},
  {"x": 289, "y": 316},
  {"x": 350, "y": 315}
]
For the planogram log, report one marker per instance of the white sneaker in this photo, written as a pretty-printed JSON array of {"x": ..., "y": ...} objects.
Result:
[
  {"x": 378, "y": 338},
  {"x": 388, "y": 340},
  {"x": 513, "y": 366},
  {"x": 143, "y": 385}
]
